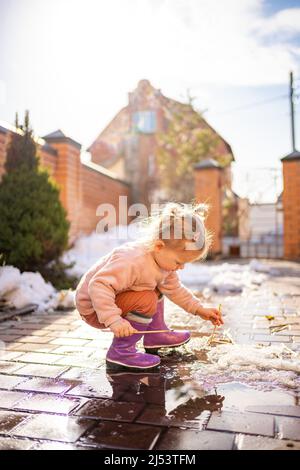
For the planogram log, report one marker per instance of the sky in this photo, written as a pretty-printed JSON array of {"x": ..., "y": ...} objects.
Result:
[{"x": 73, "y": 62}]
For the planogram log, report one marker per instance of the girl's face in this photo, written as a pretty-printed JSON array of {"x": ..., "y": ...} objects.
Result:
[{"x": 170, "y": 259}]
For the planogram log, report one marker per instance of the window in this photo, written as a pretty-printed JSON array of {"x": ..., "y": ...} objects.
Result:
[{"x": 144, "y": 121}]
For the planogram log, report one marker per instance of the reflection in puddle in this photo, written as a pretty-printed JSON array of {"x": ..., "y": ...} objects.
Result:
[
  {"x": 170, "y": 397},
  {"x": 239, "y": 396}
]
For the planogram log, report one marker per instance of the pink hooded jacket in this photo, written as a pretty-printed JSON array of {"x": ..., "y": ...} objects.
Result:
[{"x": 128, "y": 267}]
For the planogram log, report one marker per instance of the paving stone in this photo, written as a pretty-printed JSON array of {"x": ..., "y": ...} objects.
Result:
[
  {"x": 40, "y": 370},
  {"x": 190, "y": 417},
  {"x": 39, "y": 358},
  {"x": 188, "y": 439},
  {"x": 53, "y": 427},
  {"x": 272, "y": 338},
  {"x": 34, "y": 332},
  {"x": 32, "y": 318},
  {"x": 9, "y": 355},
  {"x": 81, "y": 374},
  {"x": 8, "y": 367},
  {"x": 69, "y": 341},
  {"x": 111, "y": 435},
  {"x": 248, "y": 423},
  {"x": 33, "y": 339},
  {"x": 260, "y": 331},
  {"x": 289, "y": 428},
  {"x": 276, "y": 410},
  {"x": 12, "y": 332},
  {"x": 290, "y": 331},
  {"x": 83, "y": 334},
  {"x": 11, "y": 346},
  {"x": 51, "y": 334},
  {"x": 76, "y": 361},
  {"x": 110, "y": 410},
  {"x": 48, "y": 445},
  {"x": 32, "y": 325},
  {"x": 9, "y": 338},
  {"x": 101, "y": 343},
  {"x": 99, "y": 355},
  {"x": 25, "y": 332},
  {"x": 58, "y": 327},
  {"x": 92, "y": 388},
  {"x": 10, "y": 419},
  {"x": 47, "y": 403},
  {"x": 10, "y": 399},
  {"x": 9, "y": 381},
  {"x": 7, "y": 443},
  {"x": 245, "y": 442},
  {"x": 73, "y": 351},
  {"x": 78, "y": 322},
  {"x": 31, "y": 347},
  {"x": 43, "y": 385},
  {"x": 64, "y": 320}
]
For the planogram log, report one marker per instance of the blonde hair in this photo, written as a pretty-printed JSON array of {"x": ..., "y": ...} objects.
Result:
[{"x": 177, "y": 222}]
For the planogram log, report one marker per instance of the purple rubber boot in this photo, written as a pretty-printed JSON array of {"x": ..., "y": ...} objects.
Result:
[
  {"x": 171, "y": 339},
  {"x": 123, "y": 352}
]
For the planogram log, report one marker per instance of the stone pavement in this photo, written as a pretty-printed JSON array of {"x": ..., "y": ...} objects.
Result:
[{"x": 57, "y": 394}]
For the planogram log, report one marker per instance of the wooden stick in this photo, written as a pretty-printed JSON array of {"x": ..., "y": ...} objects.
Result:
[
  {"x": 211, "y": 336},
  {"x": 151, "y": 331},
  {"x": 214, "y": 330}
]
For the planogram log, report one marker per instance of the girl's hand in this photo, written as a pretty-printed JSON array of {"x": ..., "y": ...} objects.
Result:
[
  {"x": 122, "y": 328},
  {"x": 211, "y": 314}
]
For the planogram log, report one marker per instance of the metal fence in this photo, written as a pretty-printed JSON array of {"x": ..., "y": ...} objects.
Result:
[{"x": 265, "y": 246}]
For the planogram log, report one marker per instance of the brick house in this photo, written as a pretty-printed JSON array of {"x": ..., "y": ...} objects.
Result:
[
  {"x": 128, "y": 144},
  {"x": 83, "y": 185},
  {"x": 123, "y": 162}
]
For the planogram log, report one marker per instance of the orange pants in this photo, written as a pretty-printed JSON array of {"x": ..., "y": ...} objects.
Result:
[{"x": 143, "y": 302}]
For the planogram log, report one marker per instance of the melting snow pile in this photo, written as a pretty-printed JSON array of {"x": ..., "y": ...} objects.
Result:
[
  {"x": 264, "y": 366},
  {"x": 226, "y": 277},
  {"x": 19, "y": 290},
  {"x": 89, "y": 248}
]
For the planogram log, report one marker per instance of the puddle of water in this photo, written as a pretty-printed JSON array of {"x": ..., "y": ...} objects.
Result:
[{"x": 239, "y": 396}]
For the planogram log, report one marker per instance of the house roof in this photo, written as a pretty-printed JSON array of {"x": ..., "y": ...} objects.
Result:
[
  {"x": 207, "y": 163},
  {"x": 118, "y": 127},
  {"x": 295, "y": 155},
  {"x": 6, "y": 127},
  {"x": 100, "y": 169},
  {"x": 173, "y": 103},
  {"x": 60, "y": 136}
]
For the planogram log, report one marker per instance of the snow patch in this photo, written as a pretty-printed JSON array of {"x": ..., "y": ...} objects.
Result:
[
  {"x": 10, "y": 278},
  {"x": 20, "y": 290},
  {"x": 265, "y": 366},
  {"x": 223, "y": 278},
  {"x": 89, "y": 248}
]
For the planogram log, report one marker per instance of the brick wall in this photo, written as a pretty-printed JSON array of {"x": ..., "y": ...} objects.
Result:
[
  {"x": 291, "y": 205},
  {"x": 208, "y": 189},
  {"x": 97, "y": 189},
  {"x": 83, "y": 187}
]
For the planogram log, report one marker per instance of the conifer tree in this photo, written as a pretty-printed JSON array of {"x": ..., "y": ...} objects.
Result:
[{"x": 34, "y": 227}]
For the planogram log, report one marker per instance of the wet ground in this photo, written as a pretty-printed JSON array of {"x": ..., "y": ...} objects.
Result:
[{"x": 56, "y": 393}]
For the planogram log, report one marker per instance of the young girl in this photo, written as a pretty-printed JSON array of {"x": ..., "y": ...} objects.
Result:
[{"x": 124, "y": 290}]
